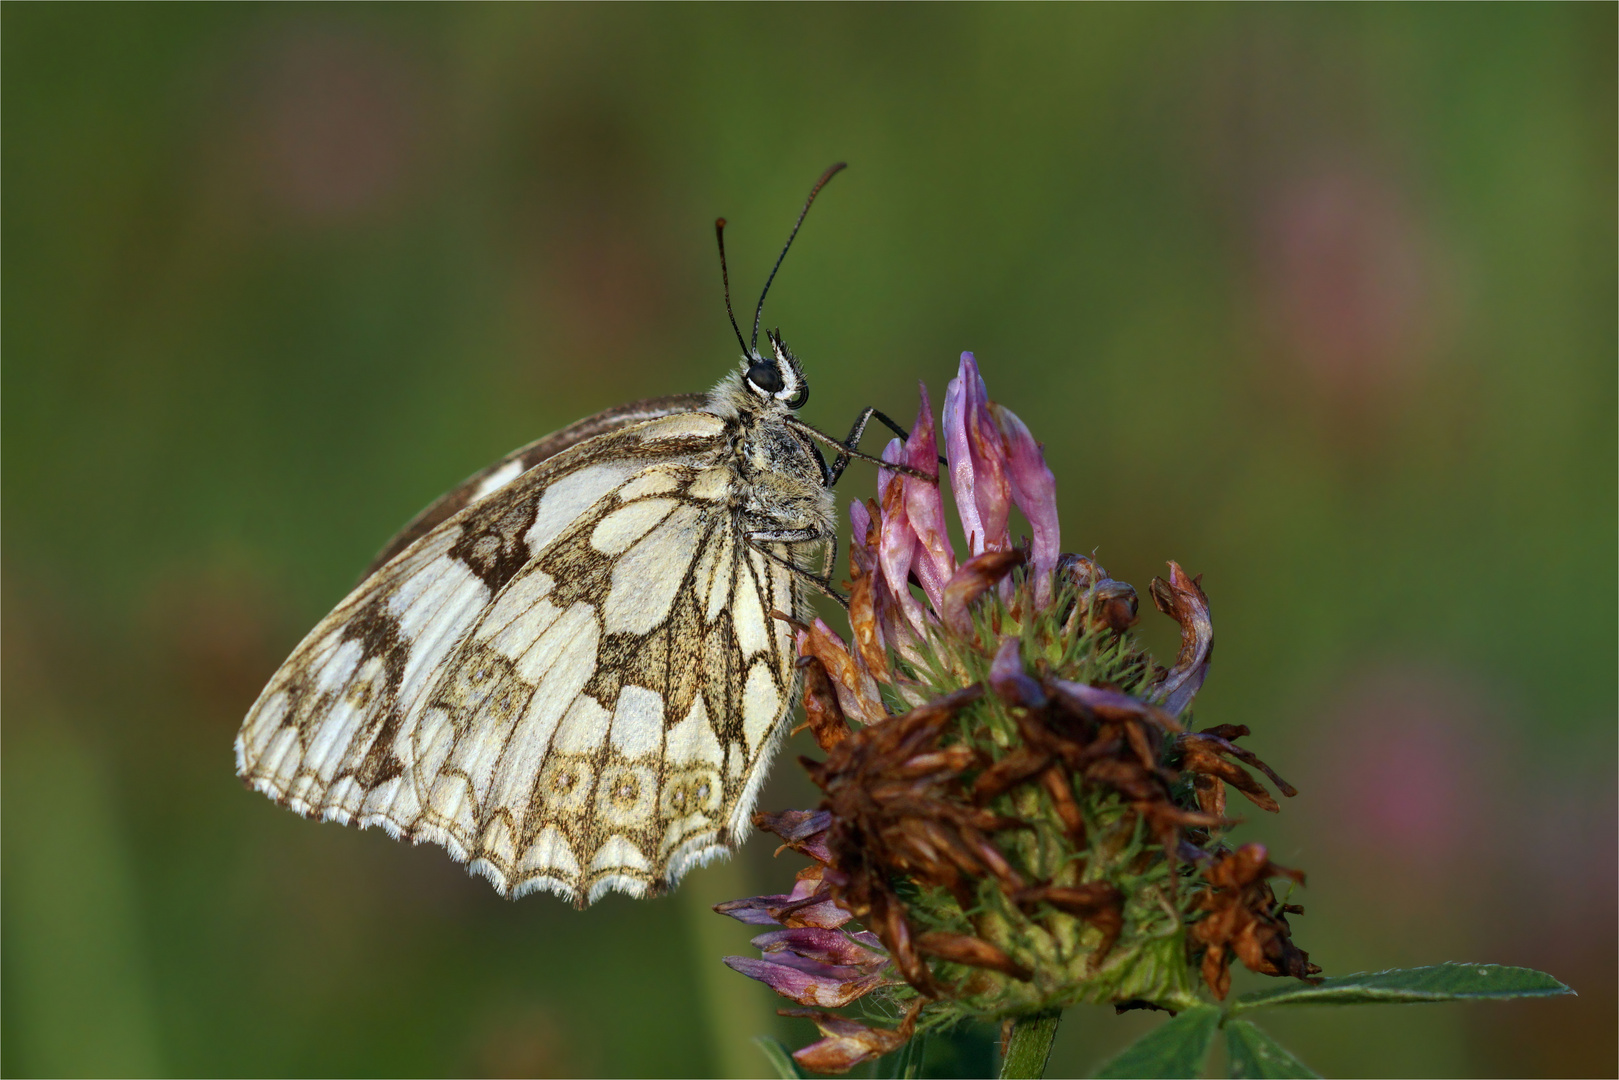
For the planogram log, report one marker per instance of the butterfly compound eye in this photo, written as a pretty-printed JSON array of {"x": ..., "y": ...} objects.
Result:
[{"x": 766, "y": 376}]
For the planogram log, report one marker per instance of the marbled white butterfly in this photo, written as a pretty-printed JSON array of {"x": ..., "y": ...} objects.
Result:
[{"x": 566, "y": 671}]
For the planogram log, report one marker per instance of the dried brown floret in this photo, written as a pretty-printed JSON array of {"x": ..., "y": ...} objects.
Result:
[{"x": 1244, "y": 918}]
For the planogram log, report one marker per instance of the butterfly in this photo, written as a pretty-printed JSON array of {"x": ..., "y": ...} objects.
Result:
[{"x": 571, "y": 671}]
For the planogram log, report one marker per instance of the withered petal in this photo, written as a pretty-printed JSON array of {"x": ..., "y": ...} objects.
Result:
[
  {"x": 976, "y": 576},
  {"x": 848, "y": 1042},
  {"x": 818, "y": 909},
  {"x": 822, "y": 710},
  {"x": 856, "y": 690},
  {"x": 974, "y": 952},
  {"x": 1060, "y": 788},
  {"x": 866, "y": 626},
  {"x": 1216, "y": 740},
  {"x": 1007, "y": 773},
  {"x": 803, "y": 830},
  {"x": 1182, "y": 599},
  {"x": 1235, "y": 775}
]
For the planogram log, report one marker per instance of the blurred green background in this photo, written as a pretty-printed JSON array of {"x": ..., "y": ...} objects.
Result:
[{"x": 1319, "y": 301}]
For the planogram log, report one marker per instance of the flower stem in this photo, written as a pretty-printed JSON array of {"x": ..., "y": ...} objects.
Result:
[
  {"x": 1029, "y": 1047},
  {"x": 735, "y": 1010}
]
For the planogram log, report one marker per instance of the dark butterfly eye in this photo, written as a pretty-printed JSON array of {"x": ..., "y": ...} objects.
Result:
[
  {"x": 800, "y": 399},
  {"x": 765, "y": 376}
]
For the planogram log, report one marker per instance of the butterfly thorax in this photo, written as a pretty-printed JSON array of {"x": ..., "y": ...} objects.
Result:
[{"x": 781, "y": 485}]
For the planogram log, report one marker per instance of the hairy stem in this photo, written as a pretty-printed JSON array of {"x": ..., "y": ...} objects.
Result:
[{"x": 1028, "y": 1048}]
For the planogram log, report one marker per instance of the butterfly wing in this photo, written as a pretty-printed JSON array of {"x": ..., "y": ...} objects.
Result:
[
  {"x": 487, "y": 481},
  {"x": 573, "y": 683}
]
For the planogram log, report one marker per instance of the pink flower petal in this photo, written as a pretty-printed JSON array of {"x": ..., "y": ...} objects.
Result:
[
  {"x": 992, "y": 494},
  {"x": 959, "y": 456},
  {"x": 859, "y": 528},
  {"x": 924, "y": 506}
]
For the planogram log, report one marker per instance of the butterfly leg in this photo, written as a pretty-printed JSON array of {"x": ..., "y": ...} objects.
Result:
[
  {"x": 855, "y": 435},
  {"x": 823, "y": 582},
  {"x": 846, "y": 452}
]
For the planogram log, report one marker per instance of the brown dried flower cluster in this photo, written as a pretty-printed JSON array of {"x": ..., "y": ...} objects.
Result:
[{"x": 1034, "y": 826}]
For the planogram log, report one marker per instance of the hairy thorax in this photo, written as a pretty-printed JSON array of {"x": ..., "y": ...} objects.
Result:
[{"x": 781, "y": 476}]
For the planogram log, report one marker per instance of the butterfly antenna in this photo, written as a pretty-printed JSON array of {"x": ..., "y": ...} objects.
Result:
[
  {"x": 814, "y": 191},
  {"x": 725, "y": 279}
]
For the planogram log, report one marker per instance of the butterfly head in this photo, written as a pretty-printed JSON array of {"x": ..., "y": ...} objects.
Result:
[{"x": 777, "y": 377}]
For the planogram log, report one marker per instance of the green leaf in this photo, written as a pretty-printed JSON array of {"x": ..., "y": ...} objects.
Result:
[
  {"x": 780, "y": 1058},
  {"x": 1439, "y": 982},
  {"x": 1175, "y": 1049},
  {"x": 1255, "y": 1054}
]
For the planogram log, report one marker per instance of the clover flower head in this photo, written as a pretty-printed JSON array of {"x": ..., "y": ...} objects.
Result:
[{"x": 1015, "y": 812}]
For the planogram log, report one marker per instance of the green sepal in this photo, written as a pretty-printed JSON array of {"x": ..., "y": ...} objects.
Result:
[
  {"x": 1400, "y": 986},
  {"x": 781, "y": 1059},
  {"x": 1255, "y": 1054},
  {"x": 1174, "y": 1049}
]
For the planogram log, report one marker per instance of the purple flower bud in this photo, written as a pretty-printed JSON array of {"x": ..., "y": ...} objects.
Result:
[
  {"x": 809, "y": 905},
  {"x": 827, "y": 985},
  {"x": 753, "y": 910},
  {"x": 812, "y": 911},
  {"x": 977, "y": 457},
  {"x": 960, "y": 458},
  {"x": 827, "y": 946},
  {"x": 1034, "y": 490}
]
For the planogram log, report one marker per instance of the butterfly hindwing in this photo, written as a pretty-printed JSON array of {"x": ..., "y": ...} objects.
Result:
[{"x": 573, "y": 683}]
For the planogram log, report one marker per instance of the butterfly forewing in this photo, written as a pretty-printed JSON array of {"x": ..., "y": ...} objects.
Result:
[
  {"x": 487, "y": 481},
  {"x": 572, "y": 683}
]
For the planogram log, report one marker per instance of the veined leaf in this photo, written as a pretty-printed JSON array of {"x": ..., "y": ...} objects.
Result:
[
  {"x": 1255, "y": 1054},
  {"x": 1437, "y": 982},
  {"x": 1175, "y": 1049}
]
